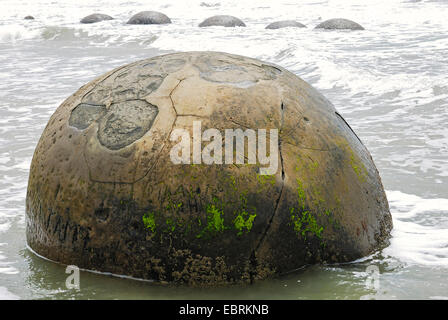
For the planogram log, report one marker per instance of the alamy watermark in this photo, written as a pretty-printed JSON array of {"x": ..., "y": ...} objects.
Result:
[
  {"x": 373, "y": 278},
  {"x": 72, "y": 281},
  {"x": 372, "y": 284},
  {"x": 234, "y": 147}
]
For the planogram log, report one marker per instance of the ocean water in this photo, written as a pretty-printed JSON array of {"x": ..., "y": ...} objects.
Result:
[{"x": 389, "y": 82}]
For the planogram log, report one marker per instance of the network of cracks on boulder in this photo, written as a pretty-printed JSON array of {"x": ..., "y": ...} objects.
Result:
[
  {"x": 121, "y": 111},
  {"x": 130, "y": 117}
]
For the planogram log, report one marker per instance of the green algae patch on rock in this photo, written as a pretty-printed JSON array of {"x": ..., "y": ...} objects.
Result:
[{"x": 104, "y": 193}]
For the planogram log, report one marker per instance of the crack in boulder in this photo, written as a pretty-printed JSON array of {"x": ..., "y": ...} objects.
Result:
[{"x": 277, "y": 202}]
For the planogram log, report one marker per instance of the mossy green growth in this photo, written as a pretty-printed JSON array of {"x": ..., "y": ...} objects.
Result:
[
  {"x": 358, "y": 167},
  {"x": 314, "y": 166},
  {"x": 301, "y": 196},
  {"x": 215, "y": 221},
  {"x": 173, "y": 206},
  {"x": 356, "y": 164},
  {"x": 263, "y": 179},
  {"x": 233, "y": 182},
  {"x": 171, "y": 224},
  {"x": 244, "y": 221},
  {"x": 305, "y": 222},
  {"x": 149, "y": 221}
]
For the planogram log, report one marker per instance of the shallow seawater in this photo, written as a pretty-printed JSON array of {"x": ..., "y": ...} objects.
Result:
[{"x": 389, "y": 82}]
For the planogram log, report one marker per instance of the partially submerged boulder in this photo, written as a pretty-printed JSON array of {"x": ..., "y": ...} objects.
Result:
[
  {"x": 29, "y": 18},
  {"x": 222, "y": 21},
  {"x": 149, "y": 17},
  {"x": 285, "y": 24},
  {"x": 339, "y": 24},
  {"x": 96, "y": 17},
  {"x": 104, "y": 192}
]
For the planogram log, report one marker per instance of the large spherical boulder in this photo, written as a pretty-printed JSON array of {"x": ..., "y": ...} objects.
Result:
[
  {"x": 149, "y": 17},
  {"x": 105, "y": 192},
  {"x": 222, "y": 21},
  {"x": 96, "y": 17},
  {"x": 285, "y": 24},
  {"x": 339, "y": 24}
]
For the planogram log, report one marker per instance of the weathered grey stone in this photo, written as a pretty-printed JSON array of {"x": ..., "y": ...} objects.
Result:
[
  {"x": 103, "y": 193},
  {"x": 339, "y": 24},
  {"x": 29, "y": 18},
  {"x": 149, "y": 17},
  {"x": 84, "y": 114},
  {"x": 223, "y": 21},
  {"x": 285, "y": 24},
  {"x": 126, "y": 122},
  {"x": 96, "y": 17}
]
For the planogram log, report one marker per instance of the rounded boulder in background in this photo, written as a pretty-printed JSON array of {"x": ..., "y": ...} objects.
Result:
[
  {"x": 222, "y": 21},
  {"x": 96, "y": 17},
  {"x": 285, "y": 24},
  {"x": 339, "y": 24},
  {"x": 149, "y": 17}
]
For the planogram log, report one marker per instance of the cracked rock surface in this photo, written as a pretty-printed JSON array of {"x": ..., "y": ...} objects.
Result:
[{"x": 104, "y": 195}]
